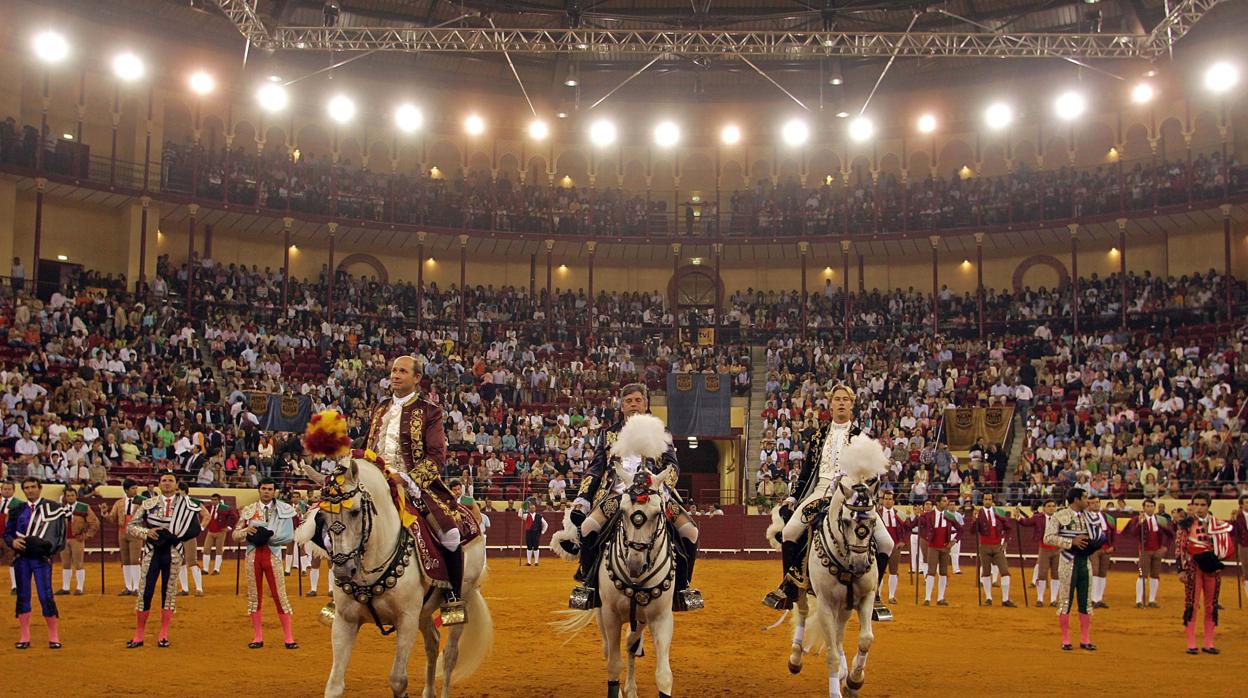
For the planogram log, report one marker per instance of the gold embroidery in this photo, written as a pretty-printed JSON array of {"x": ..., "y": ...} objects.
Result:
[{"x": 418, "y": 435}]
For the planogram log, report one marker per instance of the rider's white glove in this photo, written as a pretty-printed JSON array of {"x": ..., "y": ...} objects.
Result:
[{"x": 582, "y": 504}]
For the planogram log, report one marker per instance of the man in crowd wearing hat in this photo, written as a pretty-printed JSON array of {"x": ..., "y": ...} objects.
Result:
[
  {"x": 600, "y": 488},
  {"x": 820, "y": 472},
  {"x": 35, "y": 530},
  {"x": 268, "y": 527},
  {"x": 163, "y": 522},
  {"x": 83, "y": 526}
]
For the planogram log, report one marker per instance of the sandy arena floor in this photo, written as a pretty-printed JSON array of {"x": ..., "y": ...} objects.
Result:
[{"x": 960, "y": 650}]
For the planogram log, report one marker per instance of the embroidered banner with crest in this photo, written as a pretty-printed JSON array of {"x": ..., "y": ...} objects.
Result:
[
  {"x": 699, "y": 404},
  {"x": 280, "y": 411}
]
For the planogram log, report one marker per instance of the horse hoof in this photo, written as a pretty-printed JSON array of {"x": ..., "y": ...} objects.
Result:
[
  {"x": 854, "y": 685},
  {"x": 795, "y": 668}
]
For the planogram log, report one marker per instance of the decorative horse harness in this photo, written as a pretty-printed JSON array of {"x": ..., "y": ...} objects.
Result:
[
  {"x": 335, "y": 498},
  {"x": 859, "y": 500},
  {"x": 652, "y": 583}
]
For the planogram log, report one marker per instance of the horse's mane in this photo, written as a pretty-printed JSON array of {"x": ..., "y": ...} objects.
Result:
[{"x": 374, "y": 480}]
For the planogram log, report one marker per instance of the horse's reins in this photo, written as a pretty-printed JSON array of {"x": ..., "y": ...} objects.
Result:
[
  {"x": 832, "y": 554},
  {"x": 640, "y": 591},
  {"x": 334, "y": 497}
]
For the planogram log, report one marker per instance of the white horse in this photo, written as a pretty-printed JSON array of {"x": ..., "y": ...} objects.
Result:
[
  {"x": 370, "y": 551},
  {"x": 842, "y": 569},
  {"x": 636, "y": 582}
]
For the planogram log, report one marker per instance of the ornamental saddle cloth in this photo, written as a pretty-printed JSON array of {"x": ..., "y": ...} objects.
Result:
[{"x": 412, "y": 514}]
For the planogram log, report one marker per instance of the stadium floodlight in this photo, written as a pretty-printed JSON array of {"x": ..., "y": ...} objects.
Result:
[
  {"x": 202, "y": 83},
  {"x": 50, "y": 47},
  {"x": 341, "y": 109},
  {"x": 927, "y": 123},
  {"x": 128, "y": 67},
  {"x": 1070, "y": 105},
  {"x": 474, "y": 125},
  {"x": 666, "y": 134},
  {"x": 998, "y": 116},
  {"x": 538, "y": 130},
  {"x": 602, "y": 132},
  {"x": 861, "y": 129},
  {"x": 408, "y": 118},
  {"x": 1221, "y": 77},
  {"x": 795, "y": 132},
  {"x": 1143, "y": 93},
  {"x": 272, "y": 97},
  {"x": 730, "y": 135}
]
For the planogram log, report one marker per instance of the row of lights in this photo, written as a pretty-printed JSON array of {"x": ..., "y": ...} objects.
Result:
[{"x": 52, "y": 47}]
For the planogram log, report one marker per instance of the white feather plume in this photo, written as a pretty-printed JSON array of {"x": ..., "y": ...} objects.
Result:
[
  {"x": 642, "y": 435},
  {"x": 863, "y": 458}
]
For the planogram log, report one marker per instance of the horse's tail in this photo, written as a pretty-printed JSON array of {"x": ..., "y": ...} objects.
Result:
[
  {"x": 566, "y": 540},
  {"x": 816, "y": 638},
  {"x": 773, "y": 531},
  {"x": 573, "y": 622},
  {"x": 477, "y": 638}
]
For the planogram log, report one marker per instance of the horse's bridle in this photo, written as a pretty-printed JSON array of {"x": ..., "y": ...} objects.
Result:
[
  {"x": 652, "y": 582},
  {"x": 334, "y": 498}
]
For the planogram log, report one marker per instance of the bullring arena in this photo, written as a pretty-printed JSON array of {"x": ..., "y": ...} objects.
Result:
[{"x": 350, "y": 273}]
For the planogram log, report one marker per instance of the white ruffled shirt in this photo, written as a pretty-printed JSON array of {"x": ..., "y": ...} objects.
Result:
[
  {"x": 391, "y": 447},
  {"x": 829, "y": 459}
]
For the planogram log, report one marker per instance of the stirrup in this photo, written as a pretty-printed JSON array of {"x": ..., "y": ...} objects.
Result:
[
  {"x": 881, "y": 612},
  {"x": 688, "y": 600},
  {"x": 453, "y": 611},
  {"x": 778, "y": 600},
  {"x": 584, "y": 598}
]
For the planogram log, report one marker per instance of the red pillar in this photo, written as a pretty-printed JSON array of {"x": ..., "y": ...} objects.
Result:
[
  {"x": 801, "y": 251},
  {"x": 463, "y": 291},
  {"x": 845, "y": 283},
  {"x": 675, "y": 294},
  {"x": 1074, "y": 275},
  {"x": 147, "y": 201},
  {"x": 935, "y": 285},
  {"x": 1122, "y": 267},
  {"x": 287, "y": 223},
  {"x": 190, "y": 260},
  {"x": 550, "y": 289},
  {"x": 591, "y": 246},
  {"x": 1226, "y": 261},
  {"x": 420, "y": 279},
  {"x": 41, "y": 183},
  {"x": 979, "y": 280},
  {"x": 330, "y": 274}
]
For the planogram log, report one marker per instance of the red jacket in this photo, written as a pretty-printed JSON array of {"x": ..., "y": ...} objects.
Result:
[
  {"x": 1149, "y": 539},
  {"x": 898, "y": 526},
  {"x": 937, "y": 536},
  {"x": 1239, "y": 528},
  {"x": 219, "y": 521},
  {"x": 1037, "y": 523},
  {"x": 990, "y": 534}
]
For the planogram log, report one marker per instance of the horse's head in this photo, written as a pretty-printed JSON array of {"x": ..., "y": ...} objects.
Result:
[
  {"x": 863, "y": 462},
  {"x": 347, "y": 513},
  {"x": 642, "y": 520}
]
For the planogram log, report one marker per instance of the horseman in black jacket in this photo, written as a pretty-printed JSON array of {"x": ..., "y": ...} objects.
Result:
[
  {"x": 598, "y": 499},
  {"x": 820, "y": 473}
]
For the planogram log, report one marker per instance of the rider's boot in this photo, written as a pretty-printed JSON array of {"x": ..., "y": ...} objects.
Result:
[
  {"x": 453, "y": 609},
  {"x": 585, "y": 596},
  {"x": 686, "y": 597},
  {"x": 783, "y": 597}
]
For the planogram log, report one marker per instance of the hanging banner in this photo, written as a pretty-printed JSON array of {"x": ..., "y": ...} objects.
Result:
[{"x": 699, "y": 404}]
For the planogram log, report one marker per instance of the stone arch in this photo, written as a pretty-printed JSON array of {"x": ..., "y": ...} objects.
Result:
[
  {"x": 368, "y": 260},
  {"x": 1171, "y": 134},
  {"x": 731, "y": 176},
  {"x": 697, "y": 173},
  {"x": 955, "y": 155},
  {"x": 1047, "y": 260}
]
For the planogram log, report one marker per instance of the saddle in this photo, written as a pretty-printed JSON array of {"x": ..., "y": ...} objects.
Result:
[
  {"x": 429, "y": 551},
  {"x": 812, "y": 515}
]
